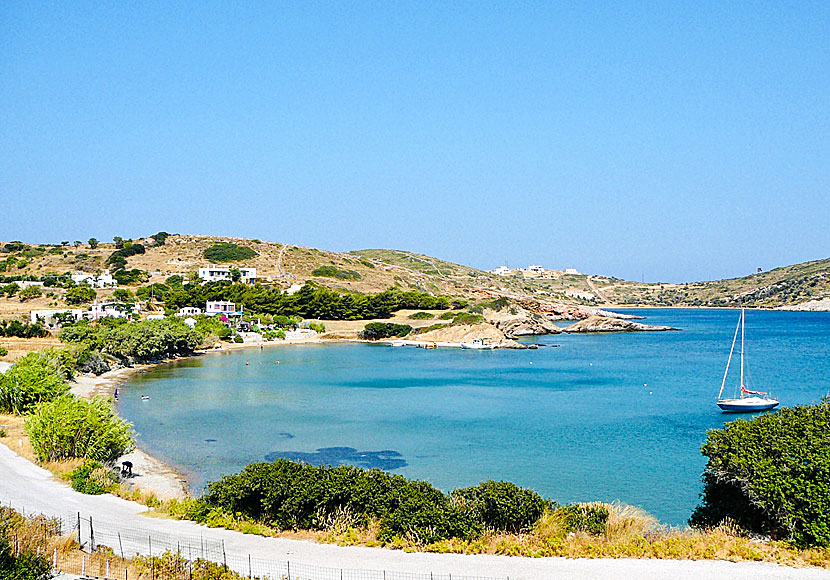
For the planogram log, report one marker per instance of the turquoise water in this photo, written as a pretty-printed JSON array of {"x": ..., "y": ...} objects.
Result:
[{"x": 598, "y": 417}]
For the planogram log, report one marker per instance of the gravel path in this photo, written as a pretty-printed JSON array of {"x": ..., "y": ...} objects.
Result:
[{"x": 23, "y": 484}]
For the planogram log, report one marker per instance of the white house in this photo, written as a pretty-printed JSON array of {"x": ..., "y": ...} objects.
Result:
[
  {"x": 214, "y": 307},
  {"x": 100, "y": 310},
  {"x": 571, "y": 271},
  {"x": 96, "y": 281},
  {"x": 155, "y": 317},
  {"x": 48, "y": 317},
  {"x": 29, "y": 284},
  {"x": 213, "y": 273},
  {"x": 189, "y": 311},
  {"x": 502, "y": 271},
  {"x": 535, "y": 269}
]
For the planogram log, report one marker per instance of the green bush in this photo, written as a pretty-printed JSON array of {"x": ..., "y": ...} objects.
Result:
[
  {"x": 229, "y": 252},
  {"x": 335, "y": 272},
  {"x": 31, "y": 380},
  {"x": 421, "y": 316},
  {"x": 467, "y": 318},
  {"x": 587, "y": 517},
  {"x": 289, "y": 495},
  {"x": 20, "y": 329},
  {"x": 80, "y": 294},
  {"x": 447, "y": 316},
  {"x": 3, "y": 352},
  {"x": 381, "y": 330},
  {"x": 771, "y": 475},
  {"x": 501, "y": 505},
  {"x": 317, "y": 327},
  {"x": 68, "y": 427},
  {"x": 27, "y": 565},
  {"x": 92, "y": 478},
  {"x": 238, "y": 339},
  {"x": 141, "y": 341}
]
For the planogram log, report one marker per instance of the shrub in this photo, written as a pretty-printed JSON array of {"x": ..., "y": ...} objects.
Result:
[
  {"x": 238, "y": 339},
  {"x": 151, "y": 340},
  {"x": 81, "y": 294},
  {"x": 317, "y": 327},
  {"x": 31, "y": 380},
  {"x": 504, "y": 506},
  {"x": 27, "y": 565},
  {"x": 92, "y": 478},
  {"x": 467, "y": 318},
  {"x": 421, "y": 316},
  {"x": 335, "y": 272},
  {"x": 591, "y": 518},
  {"x": 22, "y": 329},
  {"x": 3, "y": 351},
  {"x": 447, "y": 316},
  {"x": 93, "y": 363},
  {"x": 380, "y": 330},
  {"x": 228, "y": 252},
  {"x": 68, "y": 427},
  {"x": 771, "y": 475},
  {"x": 286, "y": 495},
  {"x": 30, "y": 292}
]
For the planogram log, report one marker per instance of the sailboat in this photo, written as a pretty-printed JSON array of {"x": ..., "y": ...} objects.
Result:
[{"x": 748, "y": 401}]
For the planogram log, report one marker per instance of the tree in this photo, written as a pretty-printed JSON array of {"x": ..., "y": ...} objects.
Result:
[
  {"x": 69, "y": 427},
  {"x": 32, "y": 379},
  {"x": 30, "y": 292},
  {"x": 771, "y": 475},
  {"x": 10, "y": 289},
  {"x": 119, "y": 242},
  {"x": 77, "y": 243},
  {"x": 122, "y": 295},
  {"x": 93, "y": 243},
  {"x": 81, "y": 294},
  {"x": 236, "y": 275}
]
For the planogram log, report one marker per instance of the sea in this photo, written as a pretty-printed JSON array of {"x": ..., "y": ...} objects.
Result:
[{"x": 584, "y": 417}]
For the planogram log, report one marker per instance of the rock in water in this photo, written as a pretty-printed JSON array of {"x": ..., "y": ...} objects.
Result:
[{"x": 605, "y": 324}]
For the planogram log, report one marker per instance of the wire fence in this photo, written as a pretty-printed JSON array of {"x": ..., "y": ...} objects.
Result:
[{"x": 76, "y": 544}]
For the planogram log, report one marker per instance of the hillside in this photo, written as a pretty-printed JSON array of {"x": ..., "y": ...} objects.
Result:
[{"x": 374, "y": 270}]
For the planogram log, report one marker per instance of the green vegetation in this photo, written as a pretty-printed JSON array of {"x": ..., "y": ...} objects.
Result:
[
  {"x": 335, "y": 272},
  {"x": 81, "y": 294},
  {"x": 228, "y": 252},
  {"x": 93, "y": 243},
  {"x": 37, "y": 377},
  {"x": 422, "y": 316},
  {"x": 3, "y": 351},
  {"x": 447, "y": 316},
  {"x": 771, "y": 475},
  {"x": 143, "y": 341},
  {"x": 381, "y": 330},
  {"x": 118, "y": 259},
  {"x": 501, "y": 505},
  {"x": 92, "y": 478},
  {"x": 28, "y": 565},
  {"x": 14, "y": 247},
  {"x": 67, "y": 427},
  {"x": 160, "y": 238},
  {"x": 29, "y": 293},
  {"x": 126, "y": 277},
  {"x": 311, "y": 301},
  {"x": 467, "y": 318},
  {"x": 317, "y": 327},
  {"x": 288, "y": 495},
  {"x": 19, "y": 329}
]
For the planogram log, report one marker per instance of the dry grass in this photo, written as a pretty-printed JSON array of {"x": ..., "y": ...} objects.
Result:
[{"x": 20, "y": 347}]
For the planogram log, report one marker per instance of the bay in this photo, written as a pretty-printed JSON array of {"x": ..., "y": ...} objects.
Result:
[{"x": 604, "y": 417}]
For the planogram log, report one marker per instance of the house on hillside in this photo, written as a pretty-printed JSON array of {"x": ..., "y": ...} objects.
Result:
[
  {"x": 213, "y": 273},
  {"x": 189, "y": 311},
  {"x": 100, "y": 310},
  {"x": 502, "y": 271},
  {"x": 54, "y": 318},
  {"x": 222, "y": 307},
  {"x": 95, "y": 280}
]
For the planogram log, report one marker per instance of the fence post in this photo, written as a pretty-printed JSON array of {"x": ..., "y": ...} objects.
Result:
[
  {"x": 108, "y": 568},
  {"x": 121, "y": 546},
  {"x": 80, "y": 543},
  {"x": 55, "y": 559},
  {"x": 289, "y": 570},
  {"x": 91, "y": 536},
  {"x": 224, "y": 556},
  {"x": 250, "y": 574},
  {"x": 83, "y": 564}
]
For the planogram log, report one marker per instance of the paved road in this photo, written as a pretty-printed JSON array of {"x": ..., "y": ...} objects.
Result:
[{"x": 24, "y": 484}]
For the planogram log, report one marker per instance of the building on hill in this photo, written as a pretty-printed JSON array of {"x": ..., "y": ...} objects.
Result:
[
  {"x": 189, "y": 311},
  {"x": 572, "y": 271},
  {"x": 95, "y": 280},
  {"x": 54, "y": 318},
  {"x": 222, "y": 307},
  {"x": 100, "y": 310},
  {"x": 502, "y": 271},
  {"x": 213, "y": 273}
]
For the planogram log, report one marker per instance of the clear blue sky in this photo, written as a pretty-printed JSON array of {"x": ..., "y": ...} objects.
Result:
[{"x": 670, "y": 141}]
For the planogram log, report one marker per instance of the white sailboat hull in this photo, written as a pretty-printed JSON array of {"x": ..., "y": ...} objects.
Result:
[{"x": 747, "y": 404}]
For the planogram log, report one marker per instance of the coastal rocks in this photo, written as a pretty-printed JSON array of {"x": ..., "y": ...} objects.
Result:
[
  {"x": 822, "y": 305},
  {"x": 463, "y": 333},
  {"x": 516, "y": 321},
  {"x": 604, "y": 324}
]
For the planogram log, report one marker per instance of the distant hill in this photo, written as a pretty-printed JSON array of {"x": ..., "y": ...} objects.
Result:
[{"x": 374, "y": 270}]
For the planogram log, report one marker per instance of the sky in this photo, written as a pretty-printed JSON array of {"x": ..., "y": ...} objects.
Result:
[{"x": 662, "y": 141}]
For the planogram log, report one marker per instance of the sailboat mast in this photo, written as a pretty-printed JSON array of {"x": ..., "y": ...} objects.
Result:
[
  {"x": 729, "y": 360},
  {"x": 742, "y": 352}
]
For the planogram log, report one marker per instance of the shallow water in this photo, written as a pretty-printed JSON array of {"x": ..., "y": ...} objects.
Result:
[{"x": 598, "y": 417}]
